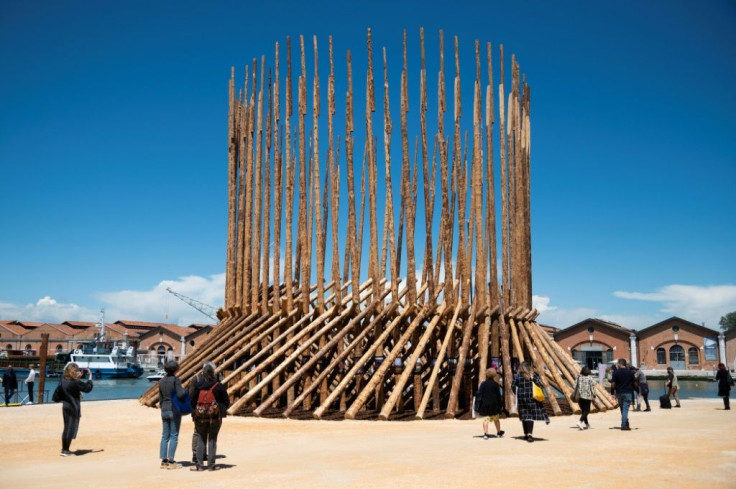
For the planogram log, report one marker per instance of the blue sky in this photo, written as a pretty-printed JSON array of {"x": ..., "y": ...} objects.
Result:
[{"x": 113, "y": 147}]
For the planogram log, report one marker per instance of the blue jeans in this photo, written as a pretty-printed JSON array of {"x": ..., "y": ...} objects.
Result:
[
  {"x": 170, "y": 434},
  {"x": 624, "y": 401}
]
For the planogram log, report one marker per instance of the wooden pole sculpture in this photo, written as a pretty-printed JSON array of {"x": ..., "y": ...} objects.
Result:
[{"x": 361, "y": 344}]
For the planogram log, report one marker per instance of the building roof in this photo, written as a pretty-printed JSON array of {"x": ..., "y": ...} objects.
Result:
[
  {"x": 599, "y": 322},
  {"x": 80, "y": 324},
  {"x": 29, "y": 324},
  {"x": 14, "y": 328},
  {"x": 141, "y": 324},
  {"x": 672, "y": 319}
]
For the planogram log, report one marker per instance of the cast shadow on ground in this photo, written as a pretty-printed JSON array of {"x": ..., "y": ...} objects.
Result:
[{"x": 86, "y": 451}]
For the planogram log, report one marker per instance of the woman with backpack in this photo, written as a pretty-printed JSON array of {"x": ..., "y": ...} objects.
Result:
[
  {"x": 490, "y": 402},
  {"x": 170, "y": 386},
  {"x": 209, "y": 402}
]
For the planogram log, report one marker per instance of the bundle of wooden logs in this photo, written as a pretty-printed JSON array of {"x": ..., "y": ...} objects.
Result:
[{"x": 399, "y": 343}]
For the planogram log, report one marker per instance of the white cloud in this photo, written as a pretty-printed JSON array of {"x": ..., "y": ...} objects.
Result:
[
  {"x": 559, "y": 317},
  {"x": 699, "y": 304},
  {"x": 47, "y": 310},
  {"x": 157, "y": 304},
  {"x": 154, "y": 305}
]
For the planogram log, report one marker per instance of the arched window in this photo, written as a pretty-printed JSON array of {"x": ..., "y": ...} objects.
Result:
[
  {"x": 161, "y": 350},
  {"x": 677, "y": 354},
  {"x": 661, "y": 356},
  {"x": 59, "y": 348},
  {"x": 8, "y": 346},
  {"x": 28, "y": 347},
  {"x": 693, "y": 356}
]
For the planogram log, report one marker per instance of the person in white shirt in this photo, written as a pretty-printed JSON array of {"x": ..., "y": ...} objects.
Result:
[{"x": 30, "y": 380}]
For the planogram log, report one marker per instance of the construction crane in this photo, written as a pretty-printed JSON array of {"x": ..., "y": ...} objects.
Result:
[{"x": 205, "y": 309}]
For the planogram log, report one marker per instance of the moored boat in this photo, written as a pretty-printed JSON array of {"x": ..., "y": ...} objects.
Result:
[
  {"x": 107, "y": 360},
  {"x": 155, "y": 377}
]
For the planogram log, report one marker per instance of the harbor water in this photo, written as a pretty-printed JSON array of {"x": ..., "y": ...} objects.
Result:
[
  {"x": 133, "y": 388},
  {"x": 104, "y": 389}
]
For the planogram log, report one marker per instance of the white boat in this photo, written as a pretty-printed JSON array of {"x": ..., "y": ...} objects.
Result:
[
  {"x": 160, "y": 374},
  {"x": 107, "y": 359}
]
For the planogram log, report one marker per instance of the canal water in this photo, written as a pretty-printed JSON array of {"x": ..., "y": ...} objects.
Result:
[
  {"x": 104, "y": 389},
  {"x": 134, "y": 388}
]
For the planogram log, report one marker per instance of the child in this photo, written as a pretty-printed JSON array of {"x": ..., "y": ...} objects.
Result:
[{"x": 491, "y": 402}]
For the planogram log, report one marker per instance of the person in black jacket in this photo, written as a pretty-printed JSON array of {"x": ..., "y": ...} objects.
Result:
[
  {"x": 168, "y": 387},
  {"x": 491, "y": 402},
  {"x": 73, "y": 385},
  {"x": 724, "y": 385},
  {"x": 10, "y": 384},
  {"x": 206, "y": 422}
]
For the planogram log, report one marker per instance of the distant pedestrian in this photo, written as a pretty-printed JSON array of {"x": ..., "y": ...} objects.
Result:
[
  {"x": 530, "y": 410},
  {"x": 72, "y": 385},
  {"x": 622, "y": 383},
  {"x": 10, "y": 384},
  {"x": 209, "y": 403},
  {"x": 641, "y": 380},
  {"x": 725, "y": 382},
  {"x": 672, "y": 385},
  {"x": 491, "y": 402},
  {"x": 585, "y": 388},
  {"x": 30, "y": 380},
  {"x": 169, "y": 386}
]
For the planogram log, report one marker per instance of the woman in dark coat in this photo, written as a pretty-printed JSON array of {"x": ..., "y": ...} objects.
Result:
[
  {"x": 530, "y": 410},
  {"x": 170, "y": 386},
  {"x": 724, "y": 385},
  {"x": 491, "y": 402},
  {"x": 207, "y": 427},
  {"x": 73, "y": 385}
]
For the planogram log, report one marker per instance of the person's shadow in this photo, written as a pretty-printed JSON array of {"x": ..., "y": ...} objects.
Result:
[{"x": 86, "y": 451}]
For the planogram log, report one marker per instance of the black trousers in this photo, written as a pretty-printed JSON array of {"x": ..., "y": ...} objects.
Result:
[
  {"x": 29, "y": 386},
  {"x": 585, "y": 408}
]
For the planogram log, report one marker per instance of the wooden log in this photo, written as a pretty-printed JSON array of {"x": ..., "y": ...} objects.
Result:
[
  {"x": 409, "y": 365},
  {"x": 529, "y": 340},
  {"x": 431, "y": 383},
  {"x": 380, "y": 372},
  {"x": 278, "y": 188}
]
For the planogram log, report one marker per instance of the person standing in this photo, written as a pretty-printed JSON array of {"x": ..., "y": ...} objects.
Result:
[
  {"x": 170, "y": 386},
  {"x": 641, "y": 380},
  {"x": 195, "y": 439},
  {"x": 530, "y": 409},
  {"x": 491, "y": 402},
  {"x": 207, "y": 422},
  {"x": 673, "y": 386},
  {"x": 725, "y": 381},
  {"x": 10, "y": 384},
  {"x": 73, "y": 385},
  {"x": 622, "y": 383},
  {"x": 585, "y": 387},
  {"x": 30, "y": 380}
]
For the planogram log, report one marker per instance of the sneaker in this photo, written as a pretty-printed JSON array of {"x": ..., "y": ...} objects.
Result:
[
  {"x": 678, "y": 406},
  {"x": 647, "y": 410},
  {"x": 65, "y": 453},
  {"x": 500, "y": 434},
  {"x": 530, "y": 438},
  {"x": 173, "y": 465},
  {"x": 580, "y": 425},
  {"x": 485, "y": 436},
  {"x": 164, "y": 464},
  {"x": 587, "y": 426}
]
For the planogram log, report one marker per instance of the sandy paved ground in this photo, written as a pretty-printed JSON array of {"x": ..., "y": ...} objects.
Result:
[{"x": 692, "y": 447}]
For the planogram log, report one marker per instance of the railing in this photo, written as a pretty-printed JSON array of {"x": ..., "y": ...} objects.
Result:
[{"x": 20, "y": 396}]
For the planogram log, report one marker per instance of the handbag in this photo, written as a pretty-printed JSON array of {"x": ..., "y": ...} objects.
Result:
[
  {"x": 58, "y": 394},
  {"x": 183, "y": 406},
  {"x": 537, "y": 393}
]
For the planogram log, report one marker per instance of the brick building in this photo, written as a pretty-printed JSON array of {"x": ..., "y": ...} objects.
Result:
[{"x": 675, "y": 342}]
